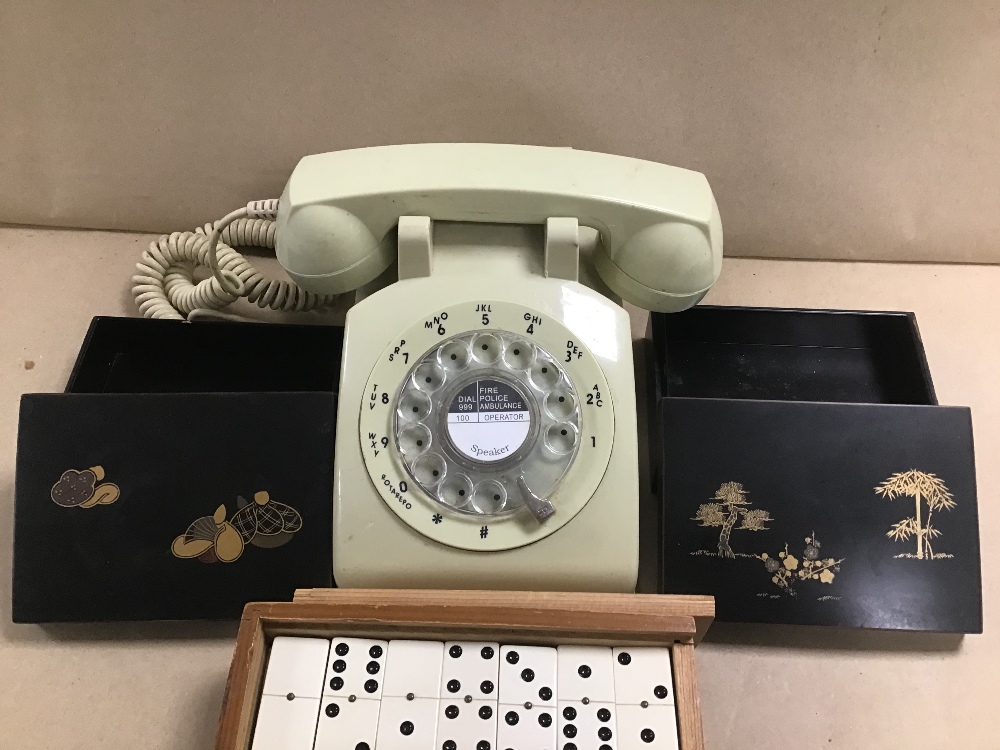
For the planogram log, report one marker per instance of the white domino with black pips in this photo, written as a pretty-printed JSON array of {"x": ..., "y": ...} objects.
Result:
[
  {"x": 586, "y": 698},
  {"x": 467, "y": 716},
  {"x": 290, "y": 699},
  {"x": 364, "y": 694},
  {"x": 352, "y": 694},
  {"x": 410, "y": 696},
  {"x": 644, "y": 699},
  {"x": 527, "y": 705}
]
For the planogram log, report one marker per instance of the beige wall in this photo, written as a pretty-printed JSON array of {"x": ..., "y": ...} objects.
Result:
[{"x": 828, "y": 130}]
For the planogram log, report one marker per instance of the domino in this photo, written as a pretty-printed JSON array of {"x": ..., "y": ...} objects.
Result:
[{"x": 290, "y": 703}]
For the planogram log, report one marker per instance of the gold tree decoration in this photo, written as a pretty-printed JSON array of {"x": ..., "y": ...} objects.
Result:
[
  {"x": 923, "y": 488},
  {"x": 725, "y": 513}
]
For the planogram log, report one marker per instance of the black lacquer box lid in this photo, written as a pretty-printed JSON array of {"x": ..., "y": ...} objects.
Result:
[
  {"x": 177, "y": 505},
  {"x": 807, "y": 475}
]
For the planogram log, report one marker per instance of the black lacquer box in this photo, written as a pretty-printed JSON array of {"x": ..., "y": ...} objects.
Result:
[
  {"x": 186, "y": 471},
  {"x": 806, "y": 473}
]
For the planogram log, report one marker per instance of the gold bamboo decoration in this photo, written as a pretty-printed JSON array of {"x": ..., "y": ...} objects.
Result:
[{"x": 923, "y": 488}]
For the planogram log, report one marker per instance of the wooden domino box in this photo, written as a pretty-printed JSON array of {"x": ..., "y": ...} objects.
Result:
[{"x": 524, "y": 618}]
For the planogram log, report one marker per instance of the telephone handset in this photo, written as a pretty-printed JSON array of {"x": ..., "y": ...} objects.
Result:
[
  {"x": 661, "y": 236},
  {"x": 486, "y": 433}
]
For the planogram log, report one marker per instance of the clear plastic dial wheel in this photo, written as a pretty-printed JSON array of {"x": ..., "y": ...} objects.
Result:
[{"x": 487, "y": 422}]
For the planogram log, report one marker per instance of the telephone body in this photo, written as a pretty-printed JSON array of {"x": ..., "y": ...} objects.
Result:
[{"x": 486, "y": 429}]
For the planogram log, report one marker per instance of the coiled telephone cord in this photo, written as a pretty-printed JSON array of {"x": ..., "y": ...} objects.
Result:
[{"x": 164, "y": 286}]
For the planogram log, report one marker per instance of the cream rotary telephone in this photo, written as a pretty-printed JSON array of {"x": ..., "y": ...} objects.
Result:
[{"x": 486, "y": 429}]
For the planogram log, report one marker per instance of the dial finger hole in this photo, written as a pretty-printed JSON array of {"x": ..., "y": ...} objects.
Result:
[
  {"x": 414, "y": 406},
  {"x": 544, "y": 374},
  {"x": 454, "y": 356},
  {"x": 561, "y": 438},
  {"x": 486, "y": 348},
  {"x": 430, "y": 469},
  {"x": 414, "y": 439},
  {"x": 519, "y": 355},
  {"x": 489, "y": 497},
  {"x": 428, "y": 377},
  {"x": 559, "y": 403},
  {"x": 456, "y": 491}
]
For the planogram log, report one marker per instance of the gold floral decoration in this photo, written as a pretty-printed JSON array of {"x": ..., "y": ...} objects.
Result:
[{"x": 786, "y": 569}]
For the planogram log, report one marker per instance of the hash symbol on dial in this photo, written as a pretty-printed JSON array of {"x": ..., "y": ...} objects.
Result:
[{"x": 484, "y": 532}]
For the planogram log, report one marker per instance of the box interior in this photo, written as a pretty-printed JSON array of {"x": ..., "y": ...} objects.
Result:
[
  {"x": 791, "y": 355},
  {"x": 134, "y": 355}
]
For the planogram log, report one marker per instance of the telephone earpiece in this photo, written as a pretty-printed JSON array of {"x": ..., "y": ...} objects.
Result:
[
  {"x": 324, "y": 247},
  {"x": 665, "y": 267}
]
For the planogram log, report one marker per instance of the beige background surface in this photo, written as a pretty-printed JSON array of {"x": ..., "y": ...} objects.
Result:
[
  {"x": 850, "y": 129},
  {"x": 159, "y": 686}
]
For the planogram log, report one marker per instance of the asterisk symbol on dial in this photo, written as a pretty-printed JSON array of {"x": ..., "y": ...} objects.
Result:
[{"x": 436, "y": 518}]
